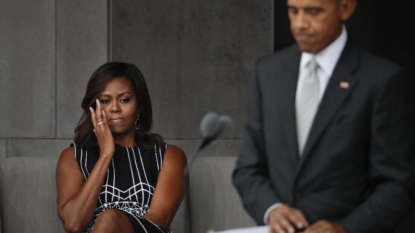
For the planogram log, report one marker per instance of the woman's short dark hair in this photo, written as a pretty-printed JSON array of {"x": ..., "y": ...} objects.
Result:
[{"x": 84, "y": 136}]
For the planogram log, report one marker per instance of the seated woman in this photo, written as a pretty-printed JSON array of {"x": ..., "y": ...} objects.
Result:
[{"x": 116, "y": 176}]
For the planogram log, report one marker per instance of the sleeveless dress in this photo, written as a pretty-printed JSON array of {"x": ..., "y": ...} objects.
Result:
[{"x": 129, "y": 184}]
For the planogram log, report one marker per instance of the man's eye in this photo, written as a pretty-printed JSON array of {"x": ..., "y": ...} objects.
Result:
[
  {"x": 292, "y": 11},
  {"x": 104, "y": 101},
  {"x": 126, "y": 100},
  {"x": 314, "y": 11}
]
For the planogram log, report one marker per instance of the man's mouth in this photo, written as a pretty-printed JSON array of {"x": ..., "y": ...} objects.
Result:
[{"x": 303, "y": 36}]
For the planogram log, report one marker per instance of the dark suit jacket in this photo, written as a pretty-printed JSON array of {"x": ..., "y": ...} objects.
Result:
[{"x": 357, "y": 169}]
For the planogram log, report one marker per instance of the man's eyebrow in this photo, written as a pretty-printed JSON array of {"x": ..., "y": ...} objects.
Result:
[
  {"x": 313, "y": 8},
  {"x": 307, "y": 8}
]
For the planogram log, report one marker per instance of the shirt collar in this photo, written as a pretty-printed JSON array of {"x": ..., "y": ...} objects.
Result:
[{"x": 328, "y": 57}]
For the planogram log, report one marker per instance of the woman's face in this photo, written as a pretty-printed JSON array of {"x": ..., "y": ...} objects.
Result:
[{"x": 119, "y": 103}]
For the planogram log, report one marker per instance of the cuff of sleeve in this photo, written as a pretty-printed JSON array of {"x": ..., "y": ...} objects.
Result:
[{"x": 271, "y": 208}]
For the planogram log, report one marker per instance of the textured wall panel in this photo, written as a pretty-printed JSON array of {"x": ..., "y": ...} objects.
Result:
[
  {"x": 218, "y": 148},
  {"x": 178, "y": 222},
  {"x": 195, "y": 55},
  {"x": 82, "y": 46},
  {"x": 36, "y": 147},
  {"x": 214, "y": 201},
  {"x": 28, "y": 195},
  {"x": 27, "y": 68},
  {"x": 2, "y": 149},
  {"x": 53, "y": 147}
]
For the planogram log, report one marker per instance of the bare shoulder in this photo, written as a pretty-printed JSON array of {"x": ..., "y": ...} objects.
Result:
[
  {"x": 66, "y": 158},
  {"x": 68, "y": 153},
  {"x": 175, "y": 155},
  {"x": 67, "y": 167}
]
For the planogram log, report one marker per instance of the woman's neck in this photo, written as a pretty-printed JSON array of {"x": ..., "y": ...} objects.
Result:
[{"x": 125, "y": 140}]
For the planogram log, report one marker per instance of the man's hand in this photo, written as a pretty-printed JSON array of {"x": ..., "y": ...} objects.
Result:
[
  {"x": 285, "y": 219},
  {"x": 324, "y": 226}
]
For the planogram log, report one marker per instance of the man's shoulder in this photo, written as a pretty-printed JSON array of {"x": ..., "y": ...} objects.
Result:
[
  {"x": 372, "y": 61},
  {"x": 289, "y": 53},
  {"x": 371, "y": 68}
]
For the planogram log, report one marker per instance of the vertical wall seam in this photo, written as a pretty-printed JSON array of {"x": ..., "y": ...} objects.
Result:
[
  {"x": 273, "y": 25},
  {"x": 56, "y": 69},
  {"x": 109, "y": 30},
  {"x": 6, "y": 150}
]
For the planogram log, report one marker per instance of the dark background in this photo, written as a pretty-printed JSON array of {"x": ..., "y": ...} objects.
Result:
[{"x": 382, "y": 27}]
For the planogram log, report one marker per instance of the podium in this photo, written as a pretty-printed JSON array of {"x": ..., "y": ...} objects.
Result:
[{"x": 260, "y": 229}]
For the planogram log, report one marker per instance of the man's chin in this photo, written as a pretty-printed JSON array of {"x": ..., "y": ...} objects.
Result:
[{"x": 307, "y": 48}]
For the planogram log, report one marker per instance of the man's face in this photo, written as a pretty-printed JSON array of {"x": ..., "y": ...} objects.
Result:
[{"x": 315, "y": 23}]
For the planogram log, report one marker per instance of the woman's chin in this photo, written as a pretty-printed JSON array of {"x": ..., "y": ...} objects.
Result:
[{"x": 118, "y": 131}]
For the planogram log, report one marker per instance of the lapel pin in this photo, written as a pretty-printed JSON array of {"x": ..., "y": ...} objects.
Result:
[{"x": 344, "y": 85}]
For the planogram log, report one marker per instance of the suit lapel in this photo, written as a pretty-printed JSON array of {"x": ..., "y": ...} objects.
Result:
[
  {"x": 291, "y": 67},
  {"x": 333, "y": 98}
]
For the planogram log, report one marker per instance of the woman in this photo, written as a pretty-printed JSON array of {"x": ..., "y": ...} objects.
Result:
[{"x": 116, "y": 176}]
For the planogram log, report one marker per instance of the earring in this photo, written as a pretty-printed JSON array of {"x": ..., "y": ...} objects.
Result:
[{"x": 137, "y": 123}]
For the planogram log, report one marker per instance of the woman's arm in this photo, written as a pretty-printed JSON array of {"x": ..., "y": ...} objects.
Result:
[
  {"x": 169, "y": 191},
  {"x": 77, "y": 198}
]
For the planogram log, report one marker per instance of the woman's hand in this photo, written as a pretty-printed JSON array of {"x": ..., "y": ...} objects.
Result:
[{"x": 102, "y": 131}]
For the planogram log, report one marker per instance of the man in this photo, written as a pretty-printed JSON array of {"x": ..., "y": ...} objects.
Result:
[{"x": 327, "y": 135}]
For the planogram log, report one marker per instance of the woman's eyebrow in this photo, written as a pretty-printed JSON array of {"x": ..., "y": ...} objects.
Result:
[{"x": 108, "y": 95}]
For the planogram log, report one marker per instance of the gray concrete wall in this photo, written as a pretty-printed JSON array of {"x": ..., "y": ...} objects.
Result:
[
  {"x": 195, "y": 55},
  {"x": 27, "y": 69},
  {"x": 82, "y": 46},
  {"x": 48, "y": 50}
]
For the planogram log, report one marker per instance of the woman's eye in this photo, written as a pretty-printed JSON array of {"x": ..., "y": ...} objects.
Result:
[
  {"x": 104, "y": 101},
  {"x": 126, "y": 100}
]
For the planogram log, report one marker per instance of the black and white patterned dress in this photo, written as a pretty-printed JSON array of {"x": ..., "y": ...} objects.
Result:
[{"x": 129, "y": 184}]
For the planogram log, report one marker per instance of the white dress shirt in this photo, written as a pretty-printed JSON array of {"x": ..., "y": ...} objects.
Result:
[{"x": 326, "y": 60}]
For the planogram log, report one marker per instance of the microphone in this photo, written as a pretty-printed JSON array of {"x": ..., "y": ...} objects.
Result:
[{"x": 213, "y": 126}]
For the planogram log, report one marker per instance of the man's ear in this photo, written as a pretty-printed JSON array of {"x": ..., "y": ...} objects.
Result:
[{"x": 347, "y": 8}]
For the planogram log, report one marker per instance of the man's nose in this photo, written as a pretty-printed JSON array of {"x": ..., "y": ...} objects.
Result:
[{"x": 300, "y": 21}]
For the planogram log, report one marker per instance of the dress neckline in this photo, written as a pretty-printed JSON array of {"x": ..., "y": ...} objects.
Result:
[{"x": 118, "y": 145}]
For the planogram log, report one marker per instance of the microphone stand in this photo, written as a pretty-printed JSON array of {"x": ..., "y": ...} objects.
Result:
[{"x": 187, "y": 211}]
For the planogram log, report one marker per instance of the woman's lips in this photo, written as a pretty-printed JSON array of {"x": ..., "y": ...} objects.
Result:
[{"x": 115, "y": 120}]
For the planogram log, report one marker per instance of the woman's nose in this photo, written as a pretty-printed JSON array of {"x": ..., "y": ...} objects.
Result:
[{"x": 115, "y": 107}]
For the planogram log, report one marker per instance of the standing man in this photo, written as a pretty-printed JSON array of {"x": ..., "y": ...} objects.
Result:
[{"x": 327, "y": 135}]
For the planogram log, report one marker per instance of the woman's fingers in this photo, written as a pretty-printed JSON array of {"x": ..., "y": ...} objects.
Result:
[
  {"x": 98, "y": 112},
  {"x": 104, "y": 118},
  {"x": 97, "y": 115},
  {"x": 94, "y": 123},
  {"x": 103, "y": 134}
]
